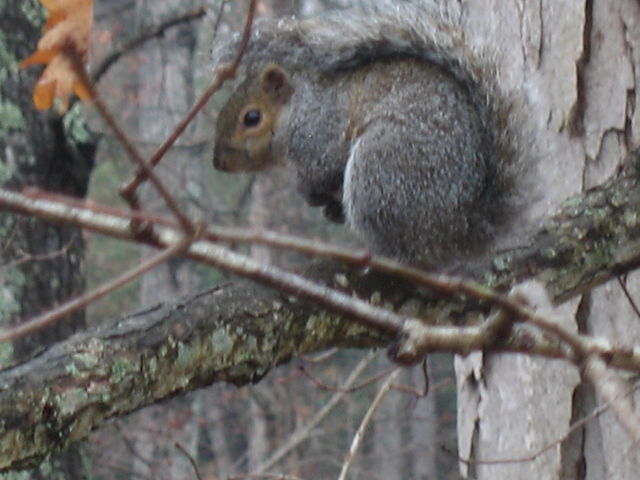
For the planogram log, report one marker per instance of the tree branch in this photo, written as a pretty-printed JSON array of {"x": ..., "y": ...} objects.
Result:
[
  {"x": 155, "y": 31},
  {"x": 236, "y": 333}
]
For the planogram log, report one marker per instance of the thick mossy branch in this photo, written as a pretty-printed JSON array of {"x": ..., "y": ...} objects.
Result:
[
  {"x": 591, "y": 239},
  {"x": 236, "y": 333}
]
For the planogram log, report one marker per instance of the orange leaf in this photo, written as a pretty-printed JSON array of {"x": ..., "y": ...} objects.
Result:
[
  {"x": 57, "y": 80},
  {"x": 43, "y": 94},
  {"x": 66, "y": 36},
  {"x": 69, "y": 24},
  {"x": 39, "y": 56}
]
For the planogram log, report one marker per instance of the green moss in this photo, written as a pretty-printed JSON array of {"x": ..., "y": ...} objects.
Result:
[
  {"x": 186, "y": 355},
  {"x": 631, "y": 218},
  {"x": 86, "y": 359},
  {"x": 72, "y": 369},
  {"x": 573, "y": 203},
  {"x": 34, "y": 11},
  {"x": 71, "y": 400},
  {"x": 14, "y": 280},
  {"x": 120, "y": 369},
  {"x": 16, "y": 476},
  {"x": 76, "y": 126},
  {"x": 251, "y": 343},
  {"x": 82, "y": 365},
  {"x": 5, "y": 174},
  {"x": 152, "y": 367},
  {"x": 6, "y": 354},
  {"x": 222, "y": 342},
  {"x": 549, "y": 253}
]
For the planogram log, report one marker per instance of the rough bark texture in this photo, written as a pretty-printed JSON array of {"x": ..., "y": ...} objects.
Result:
[
  {"x": 234, "y": 334},
  {"x": 41, "y": 263},
  {"x": 577, "y": 62},
  {"x": 44, "y": 261}
]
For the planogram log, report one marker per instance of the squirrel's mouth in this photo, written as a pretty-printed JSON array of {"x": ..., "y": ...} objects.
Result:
[
  {"x": 237, "y": 160},
  {"x": 231, "y": 160}
]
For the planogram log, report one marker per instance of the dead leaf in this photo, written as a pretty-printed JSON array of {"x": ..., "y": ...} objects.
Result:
[{"x": 66, "y": 35}]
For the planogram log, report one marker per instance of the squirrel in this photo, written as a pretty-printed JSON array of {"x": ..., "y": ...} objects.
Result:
[{"x": 392, "y": 122}]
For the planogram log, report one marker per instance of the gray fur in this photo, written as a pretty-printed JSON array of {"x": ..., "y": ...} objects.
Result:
[{"x": 397, "y": 100}]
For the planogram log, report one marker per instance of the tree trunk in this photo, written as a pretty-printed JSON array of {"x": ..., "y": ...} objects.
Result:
[
  {"x": 576, "y": 62},
  {"x": 41, "y": 263}
]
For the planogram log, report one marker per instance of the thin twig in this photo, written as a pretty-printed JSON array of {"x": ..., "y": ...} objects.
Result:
[
  {"x": 427, "y": 383},
  {"x": 359, "y": 436},
  {"x": 303, "y": 432},
  {"x": 76, "y": 304},
  {"x": 427, "y": 337},
  {"x": 133, "y": 43},
  {"x": 29, "y": 257},
  {"x": 431, "y": 388},
  {"x": 128, "y": 191},
  {"x": 133, "y": 153},
  {"x": 623, "y": 285},
  {"x": 319, "y": 357},
  {"x": 180, "y": 448},
  {"x": 614, "y": 391},
  {"x": 218, "y": 20},
  {"x": 445, "y": 285},
  {"x": 355, "y": 388}
]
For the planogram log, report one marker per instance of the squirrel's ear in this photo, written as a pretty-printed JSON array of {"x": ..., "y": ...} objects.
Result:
[{"x": 275, "y": 83}]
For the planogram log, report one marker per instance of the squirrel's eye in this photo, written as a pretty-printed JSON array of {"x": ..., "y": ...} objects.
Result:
[{"x": 252, "y": 118}]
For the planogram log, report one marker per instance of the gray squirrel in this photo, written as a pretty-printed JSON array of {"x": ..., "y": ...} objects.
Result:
[{"x": 392, "y": 122}]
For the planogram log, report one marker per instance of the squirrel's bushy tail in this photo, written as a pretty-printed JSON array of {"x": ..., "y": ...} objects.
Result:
[{"x": 380, "y": 29}]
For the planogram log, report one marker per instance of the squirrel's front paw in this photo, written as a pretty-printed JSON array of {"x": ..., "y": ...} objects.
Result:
[{"x": 334, "y": 212}]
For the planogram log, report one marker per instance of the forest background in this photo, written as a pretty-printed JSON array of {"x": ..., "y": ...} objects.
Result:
[{"x": 514, "y": 420}]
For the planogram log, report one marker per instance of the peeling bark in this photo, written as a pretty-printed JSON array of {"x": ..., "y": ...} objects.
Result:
[{"x": 580, "y": 81}]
